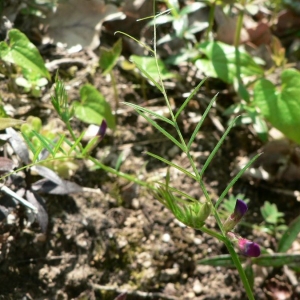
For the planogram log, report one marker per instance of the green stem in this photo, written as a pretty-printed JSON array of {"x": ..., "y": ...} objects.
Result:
[
  {"x": 240, "y": 269},
  {"x": 211, "y": 19},
  {"x": 241, "y": 88},
  {"x": 239, "y": 25},
  {"x": 213, "y": 234},
  {"x": 173, "y": 9},
  {"x": 73, "y": 135},
  {"x": 116, "y": 94},
  {"x": 121, "y": 174}
]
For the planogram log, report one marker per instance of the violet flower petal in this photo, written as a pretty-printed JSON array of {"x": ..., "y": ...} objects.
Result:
[
  {"x": 239, "y": 211},
  {"x": 102, "y": 130},
  {"x": 248, "y": 248}
]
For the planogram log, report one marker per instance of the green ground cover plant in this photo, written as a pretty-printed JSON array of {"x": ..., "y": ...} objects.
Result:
[{"x": 228, "y": 63}]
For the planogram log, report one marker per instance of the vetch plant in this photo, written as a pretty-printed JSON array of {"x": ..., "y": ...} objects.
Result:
[{"x": 184, "y": 207}]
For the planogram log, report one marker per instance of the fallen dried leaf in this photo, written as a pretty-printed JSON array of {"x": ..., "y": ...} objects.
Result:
[{"x": 79, "y": 22}]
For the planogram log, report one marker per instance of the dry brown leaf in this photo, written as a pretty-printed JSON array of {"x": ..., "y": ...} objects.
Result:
[
  {"x": 78, "y": 22},
  {"x": 260, "y": 33}
]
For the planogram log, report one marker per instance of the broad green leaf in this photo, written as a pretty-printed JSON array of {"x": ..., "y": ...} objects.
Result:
[
  {"x": 281, "y": 107},
  {"x": 24, "y": 54},
  {"x": 149, "y": 77},
  {"x": 221, "y": 62},
  {"x": 149, "y": 64},
  {"x": 277, "y": 260},
  {"x": 93, "y": 108},
  {"x": 260, "y": 127},
  {"x": 289, "y": 236},
  {"x": 9, "y": 122},
  {"x": 109, "y": 57}
]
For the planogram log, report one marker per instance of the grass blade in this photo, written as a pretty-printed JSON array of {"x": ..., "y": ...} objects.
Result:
[
  {"x": 58, "y": 145},
  {"x": 29, "y": 143},
  {"x": 289, "y": 236},
  {"x": 235, "y": 179},
  {"x": 277, "y": 260},
  {"x": 224, "y": 260},
  {"x": 196, "y": 89},
  {"x": 183, "y": 194},
  {"x": 201, "y": 121},
  {"x": 76, "y": 143},
  {"x": 45, "y": 142},
  {"x": 137, "y": 107},
  {"x": 217, "y": 147},
  {"x": 164, "y": 132},
  {"x": 37, "y": 154},
  {"x": 173, "y": 165}
]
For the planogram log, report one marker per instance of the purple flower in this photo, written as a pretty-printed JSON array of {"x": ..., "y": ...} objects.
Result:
[
  {"x": 102, "y": 130},
  {"x": 246, "y": 247},
  {"x": 239, "y": 211}
]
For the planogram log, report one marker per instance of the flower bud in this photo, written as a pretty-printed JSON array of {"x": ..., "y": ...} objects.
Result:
[
  {"x": 239, "y": 211},
  {"x": 205, "y": 211},
  {"x": 196, "y": 214},
  {"x": 246, "y": 247},
  {"x": 102, "y": 130}
]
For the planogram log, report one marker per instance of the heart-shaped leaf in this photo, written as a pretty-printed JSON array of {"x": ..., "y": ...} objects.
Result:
[
  {"x": 93, "y": 108},
  {"x": 24, "y": 54},
  {"x": 281, "y": 107},
  {"x": 221, "y": 62}
]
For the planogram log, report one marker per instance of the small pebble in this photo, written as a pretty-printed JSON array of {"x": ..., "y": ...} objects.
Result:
[
  {"x": 166, "y": 238},
  {"x": 197, "y": 287},
  {"x": 135, "y": 203},
  {"x": 197, "y": 241}
]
